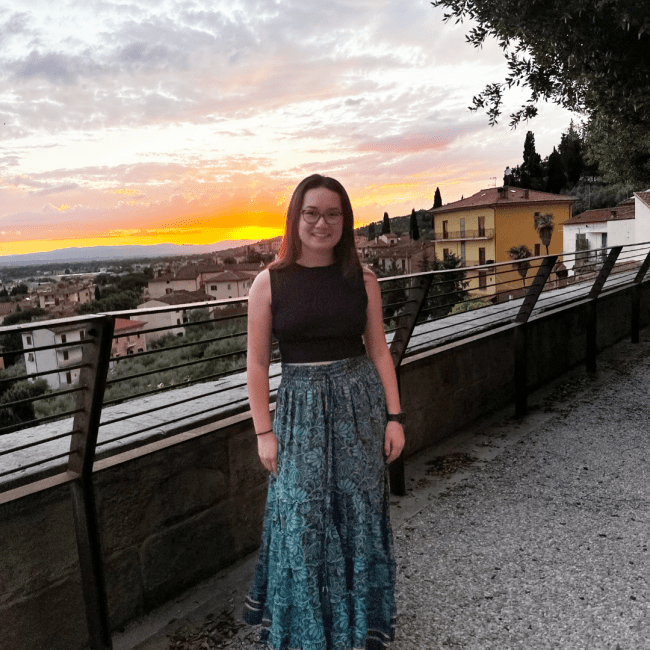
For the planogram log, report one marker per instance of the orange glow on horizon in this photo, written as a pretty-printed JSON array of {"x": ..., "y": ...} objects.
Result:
[
  {"x": 181, "y": 221},
  {"x": 203, "y": 236}
]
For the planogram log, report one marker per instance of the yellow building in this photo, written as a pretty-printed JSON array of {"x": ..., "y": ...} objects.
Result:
[{"x": 482, "y": 228}]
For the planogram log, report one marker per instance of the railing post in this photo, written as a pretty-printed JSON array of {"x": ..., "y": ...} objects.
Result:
[
  {"x": 401, "y": 338},
  {"x": 521, "y": 331},
  {"x": 592, "y": 309},
  {"x": 95, "y": 358},
  {"x": 636, "y": 300}
]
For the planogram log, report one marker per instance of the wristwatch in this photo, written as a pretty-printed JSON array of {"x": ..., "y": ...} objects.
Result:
[{"x": 395, "y": 417}]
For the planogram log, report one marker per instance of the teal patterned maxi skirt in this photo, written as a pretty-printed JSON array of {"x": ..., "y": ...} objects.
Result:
[{"x": 325, "y": 575}]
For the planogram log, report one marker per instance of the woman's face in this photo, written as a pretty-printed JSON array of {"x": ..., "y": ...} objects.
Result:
[{"x": 320, "y": 237}]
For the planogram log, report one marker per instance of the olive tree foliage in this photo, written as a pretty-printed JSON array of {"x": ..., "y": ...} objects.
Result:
[{"x": 590, "y": 56}]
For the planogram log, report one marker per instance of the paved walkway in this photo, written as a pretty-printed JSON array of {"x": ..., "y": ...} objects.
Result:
[{"x": 527, "y": 534}]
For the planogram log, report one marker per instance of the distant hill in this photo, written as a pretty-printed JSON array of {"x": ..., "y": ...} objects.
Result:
[{"x": 108, "y": 253}]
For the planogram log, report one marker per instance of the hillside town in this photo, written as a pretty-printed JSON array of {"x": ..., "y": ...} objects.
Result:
[{"x": 475, "y": 233}]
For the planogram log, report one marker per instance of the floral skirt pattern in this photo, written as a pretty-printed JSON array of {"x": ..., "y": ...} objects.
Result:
[{"x": 325, "y": 575}]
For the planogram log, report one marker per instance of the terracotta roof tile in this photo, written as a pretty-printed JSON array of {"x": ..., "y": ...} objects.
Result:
[
  {"x": 644, "y": 197},
  {"x": 601, "y": 215},
  {"x": 229, "y": 276},
  {"x": 125, "y": 323},
  {"x": 496, "y": 196},
  {"x": 184, "y": 297}
]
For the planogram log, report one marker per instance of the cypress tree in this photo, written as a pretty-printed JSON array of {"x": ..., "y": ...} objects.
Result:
[
  {"x": 531, "y": 168},
  {"x": 556, "y": 177},
  {"x": 414, "y": 231},
  {"x": 386, "y": 225},
  {"x": 437, "y": 199}
]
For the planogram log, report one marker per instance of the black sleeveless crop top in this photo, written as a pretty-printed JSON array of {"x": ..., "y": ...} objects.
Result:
[{"x": 318, "y": 315}]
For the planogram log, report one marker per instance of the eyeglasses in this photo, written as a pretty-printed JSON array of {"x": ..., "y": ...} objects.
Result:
[{"x": 312, "y": 216}]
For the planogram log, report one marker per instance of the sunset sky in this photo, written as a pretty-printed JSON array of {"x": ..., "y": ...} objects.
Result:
[{"x": 192, "y": 121}]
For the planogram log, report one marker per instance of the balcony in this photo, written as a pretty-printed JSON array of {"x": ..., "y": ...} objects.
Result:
[
  {"x": 464, "y": 235},
  {"x": 166, "y": 474}
]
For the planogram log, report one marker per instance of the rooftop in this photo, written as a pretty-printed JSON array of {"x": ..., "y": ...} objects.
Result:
[
  {"x": 621, "y": 212},
  {"x": 125, "y": 323},
  {"x": 183, "y": 297},
  {"x": 500, "y": 196},
  {"x": 644, "y": 197}
]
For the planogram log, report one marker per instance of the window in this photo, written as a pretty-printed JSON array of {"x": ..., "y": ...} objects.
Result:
[
  {"x": 445, "y": 229},
  {"x": 28, "y": 339},
  {"x": 129, "y": 352},
  {"x": 68, "y": 377},
  {"x": 30, "y": 357},
  {"x": 228, "y": 287},
  {"x": 482, "y": 279},
  {"x": 140, "y": 350},
  {"x": 213, "y": 287},
  {"x": 64, "y": 338},
  {"x": 178, "y": 321},
  {"x": 462, "y": 251},
  {"x": 66, "y": 355},
  {"x": 481, "y": 256},
  {"x": 82, "y": 335},
  {"x": 445, "y": 253},
  {"x": 537, "y": 250},
  {"x": 481, "y": 226},
  {"x": 138, "y": 336},
  {"x": 168, "y": 290},
  {"x": 462, "y": 227}
]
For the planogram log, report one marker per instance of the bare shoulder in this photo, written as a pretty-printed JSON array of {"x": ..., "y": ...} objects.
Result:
[
  {"x": 261, "y": 287},
  {"x": 368, "y": 274}
]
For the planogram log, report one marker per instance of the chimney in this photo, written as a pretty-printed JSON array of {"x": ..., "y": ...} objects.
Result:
[
  {"x": 526, "y": 194},
  {"x": 612, "y": 214},
  {"x": 503, "y": 192}
]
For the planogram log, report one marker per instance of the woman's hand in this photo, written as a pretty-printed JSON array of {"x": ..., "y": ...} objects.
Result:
[
  {"x": 393, "y": 441},
  {"x": 267, "y": 448}
]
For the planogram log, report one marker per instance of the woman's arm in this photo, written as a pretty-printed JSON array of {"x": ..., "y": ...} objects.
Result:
[
  {"x": 258, "y": 359},
  {"x": 377, "y": 349}
]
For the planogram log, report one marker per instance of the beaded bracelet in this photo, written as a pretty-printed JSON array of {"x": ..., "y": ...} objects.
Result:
[{"x": 263, "y": 432}]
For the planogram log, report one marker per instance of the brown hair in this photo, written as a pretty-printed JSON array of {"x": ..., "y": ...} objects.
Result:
[{"x": 345, "y": 253}]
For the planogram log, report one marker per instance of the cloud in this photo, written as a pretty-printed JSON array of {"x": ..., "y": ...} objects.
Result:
[
  {"x": 10, "y": 161},
  {"x": 56, "y": 190},
  {"x": 56, "y": 67}
]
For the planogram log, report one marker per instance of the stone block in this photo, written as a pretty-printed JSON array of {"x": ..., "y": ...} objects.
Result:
[
  {"x": 38, "y": 543},
  {"x": 123, "y": 587},
  {"x": 172, "y": 484},
  {"x": 188, "y": 552},
  {"x": 51, "y": 619},
  {"x": 246, "y": 470},
  {"x": 248, "y": 514}
]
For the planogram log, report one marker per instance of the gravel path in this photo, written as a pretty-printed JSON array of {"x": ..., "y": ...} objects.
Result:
[{"x": 540, "y": 544}]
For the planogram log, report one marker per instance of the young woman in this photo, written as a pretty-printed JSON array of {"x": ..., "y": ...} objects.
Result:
[{"x": 325, "y": 575}]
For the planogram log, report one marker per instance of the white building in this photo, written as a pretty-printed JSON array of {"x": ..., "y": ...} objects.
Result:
[
  {"x": 187, "y": 278},
  {"x": 172, "y": 320},
  {"x": 599, "y": 229},
  {"x": 642, "y": 212},
  {"x": 229, "y": 284},
  {"x": 55, "y": 360}
]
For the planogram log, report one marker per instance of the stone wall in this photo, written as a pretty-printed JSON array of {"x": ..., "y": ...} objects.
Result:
[
  {"x": 171, "y": 514},
  {"x": 178, "y": 510}
]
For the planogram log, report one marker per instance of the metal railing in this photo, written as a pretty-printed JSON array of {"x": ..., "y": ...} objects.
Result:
[
  {"x": 57, "y": 418},
  {"x": 455, "y": 235}
]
